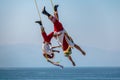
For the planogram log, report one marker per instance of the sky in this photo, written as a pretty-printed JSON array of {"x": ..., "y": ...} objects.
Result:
[{"x": 93, "y": 24}]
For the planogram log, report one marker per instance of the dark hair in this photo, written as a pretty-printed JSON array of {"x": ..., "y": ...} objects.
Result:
[{"x": 48, "y": 56}]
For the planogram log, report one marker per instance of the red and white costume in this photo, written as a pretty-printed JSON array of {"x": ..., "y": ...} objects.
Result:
[
  {"x": 46, "y": 46},
  {"x": 63, "y": 40}
]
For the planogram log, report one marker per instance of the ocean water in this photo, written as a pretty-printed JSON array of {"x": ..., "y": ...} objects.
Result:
[{"x": 60, "y": 74}]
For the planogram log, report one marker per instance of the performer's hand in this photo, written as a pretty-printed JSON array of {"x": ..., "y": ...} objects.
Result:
[{"x": 83, "y": 52}]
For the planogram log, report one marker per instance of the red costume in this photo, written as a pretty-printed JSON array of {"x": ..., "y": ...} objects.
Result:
[
  {"x": 46, "y": 47},
  {"x": 58, "y": 28},
  {"x": 47, "y": 38}
]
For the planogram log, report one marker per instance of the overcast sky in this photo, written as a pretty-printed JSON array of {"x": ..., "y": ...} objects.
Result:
[{"x": 93, "y": 24}]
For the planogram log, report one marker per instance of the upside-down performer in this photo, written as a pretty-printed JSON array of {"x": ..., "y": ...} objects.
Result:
[
  {"x": 47, "y": 49},
  {"x": 61, "y": 35}
]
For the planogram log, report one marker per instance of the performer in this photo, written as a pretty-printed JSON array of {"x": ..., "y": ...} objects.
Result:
[
  {"x": 47, "y": 49},
  {"x": 61, "y": 35}
]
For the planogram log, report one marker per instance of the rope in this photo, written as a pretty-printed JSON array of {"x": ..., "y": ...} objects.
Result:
[
  {"x": 38, "y": 10},
  {"x": 52, "y": 4}
]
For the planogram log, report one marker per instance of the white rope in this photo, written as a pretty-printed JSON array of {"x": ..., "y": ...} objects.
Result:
[
  {"x": 52, "y": 4},
  {"x": 38, "y": 10}
]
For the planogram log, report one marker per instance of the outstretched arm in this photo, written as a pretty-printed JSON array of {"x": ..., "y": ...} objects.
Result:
[
  {"x": 56, "y": 46},
  {"x": 54, "y": 63},
  {"x": 70, "y": 38},
  {"x": 55, "y": 50},
  {"x": 80, "y": 49}
]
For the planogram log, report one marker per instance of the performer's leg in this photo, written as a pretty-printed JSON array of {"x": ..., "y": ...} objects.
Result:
[
  {"x": 78, "y": 47},
  {"x": 40, "y": 23},
  {"x": 45, "y": 12},
  {"x": 56, "y": 12},
  {"x": 70, "y": 58},
  {"x": 52, "y": 18}
]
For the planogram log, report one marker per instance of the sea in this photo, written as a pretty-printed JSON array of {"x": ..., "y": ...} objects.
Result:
[{"x": 74, "y": 73}]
